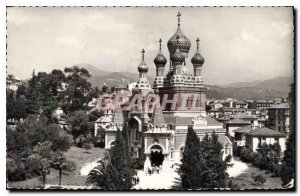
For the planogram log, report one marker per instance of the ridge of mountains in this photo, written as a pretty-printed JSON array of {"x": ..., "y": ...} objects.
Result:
[{"x": 263, "y": 89}]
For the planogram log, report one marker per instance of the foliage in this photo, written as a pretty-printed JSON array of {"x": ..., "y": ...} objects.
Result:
[
  {"x": 80, "y": 124},
  {"x": 267, "y": 157},
  {"x": 114, "y": 171},
  {"x": 259, "y": 179},
  {"x": 289, "y": 162},
  {"x": 190, "y": 167},
  {"x": 202, "y": 163},
  {"x": 213, "y": 166},
  {"x": 74, "y": 97}
]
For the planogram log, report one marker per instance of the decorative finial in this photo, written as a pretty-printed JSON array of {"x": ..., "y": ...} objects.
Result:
[
  {"x": 160, "y": 45},
  {"x": 178, "y": 16},
  {"x": 177, "y": 37},
  {"x": 143, "y": 55},
  {"x": 197, "y": 40}
]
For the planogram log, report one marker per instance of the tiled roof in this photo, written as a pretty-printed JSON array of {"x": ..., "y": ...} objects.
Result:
[
  {"x": 243, "y": 116},
  {"x": 157, "y": 117},
  {"x": 212, "y": 122},
  {"x": 243, "y": 129},
  {"x": 238, "y": 121},
  {"x": 264, "y": 131},
  {"x": 118, "y": 116},
  {"x": 183, "y": 121},
  {"x": 281, "y": 105},
  {"x": 224, "y": 140}
]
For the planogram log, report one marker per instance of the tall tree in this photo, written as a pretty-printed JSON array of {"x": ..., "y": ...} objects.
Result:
[
  {"x": 190, "y": 167},
  {"x": 74, "y": 97},
  {"x": 213, "y": 166},
  {"x": 31, "y": 95},
  {"x": 117, "y": 175},
  {"x": 288, "y": 163}
]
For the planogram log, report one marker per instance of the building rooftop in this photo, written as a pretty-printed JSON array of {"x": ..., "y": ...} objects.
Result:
[
  {"x": 184, "y": 121},
  {"x": 264, "y": 131},
  {"x": 238, "y": 121},
  {"x": 244, "y": 129},
  {"x": 281, "y": 106}
]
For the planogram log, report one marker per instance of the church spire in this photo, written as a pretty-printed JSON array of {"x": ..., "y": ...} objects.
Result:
[{"x": 178, "y": 16}]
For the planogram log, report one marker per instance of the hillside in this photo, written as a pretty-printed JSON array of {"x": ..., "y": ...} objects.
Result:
[
  {"x": 216, "y": 92},
  {"x": 273, "y": 88},
  {"x": 280, "y": 83}
]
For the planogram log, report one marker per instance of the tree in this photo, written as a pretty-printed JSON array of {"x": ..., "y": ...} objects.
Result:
[
  {"x": 190, "y": 167},
  {"x": 45, "y": 169},
  {"x": 113, "y": 172},
  {"x": 97, "y": 175},
  {"x": 80, "y": 124},
  {"x": 288, "y": 163},
  {"x": 214, "y": 168},
  {"x": 117, "y": 175},
  {"x": 104, "y": 88},
  {"x": 31, "y": 95},
  {"x": 75, "y": 97},
  {"x": 60, "y": 163}
]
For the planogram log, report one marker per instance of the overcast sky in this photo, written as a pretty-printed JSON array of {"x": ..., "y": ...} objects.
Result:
[{"x": 238, "y": 44}]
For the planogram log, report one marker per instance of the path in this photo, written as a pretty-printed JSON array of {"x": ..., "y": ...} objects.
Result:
[
  {"x": 85, "y": 170},
  {"x": 238, "y": 168},
  {"x": 163, "y": 180}
]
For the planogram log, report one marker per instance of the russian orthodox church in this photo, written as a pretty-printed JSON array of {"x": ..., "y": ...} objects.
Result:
[{"x": 158, "y": 133}]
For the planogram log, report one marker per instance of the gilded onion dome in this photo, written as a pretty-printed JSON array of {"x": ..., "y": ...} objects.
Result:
[
  {"x": 197, "y": 58},
  {"x": 184, "y": 43},
  {"x": 160, "y": 60},
  {"x": 177, "y": 57},
  {"x": 143, "y": 67}
]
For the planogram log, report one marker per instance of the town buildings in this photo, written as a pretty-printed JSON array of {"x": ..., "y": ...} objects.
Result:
[{"x": 279, "y": 117}]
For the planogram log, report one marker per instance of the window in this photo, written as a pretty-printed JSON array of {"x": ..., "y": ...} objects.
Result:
[
  {"x": 276, "y": 140},
  {"x": 181, "y": 151}
]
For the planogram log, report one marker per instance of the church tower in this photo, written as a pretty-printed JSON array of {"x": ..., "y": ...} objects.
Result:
[{"x": 184, "y": 87}]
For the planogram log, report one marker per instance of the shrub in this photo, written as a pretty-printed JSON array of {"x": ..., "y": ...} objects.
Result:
[
  {"x": 15, "y": 170},
  {"x": 259, "y": 179}
]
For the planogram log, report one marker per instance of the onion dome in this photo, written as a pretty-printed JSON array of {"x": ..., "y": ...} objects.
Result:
[
  {"x": 184, "y": 42},
  {"x": 197, "y": 58},
  {"x": 160, "y": 60},
  {"x": 143, "y": 67},
  {"x": 177, "y": 57}
]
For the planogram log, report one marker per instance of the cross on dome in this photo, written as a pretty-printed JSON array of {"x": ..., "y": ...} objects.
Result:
[
  {"x": 197, "y": 40},
  {"x": 178, "y": 16},
  {"x": 143, "y": 55}
]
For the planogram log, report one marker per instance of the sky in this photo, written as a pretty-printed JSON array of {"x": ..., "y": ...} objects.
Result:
[{"x": 238, "y": 44}]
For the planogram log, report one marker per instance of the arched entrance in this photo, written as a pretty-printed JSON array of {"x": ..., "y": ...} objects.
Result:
[{"x": 156, "y": 156}]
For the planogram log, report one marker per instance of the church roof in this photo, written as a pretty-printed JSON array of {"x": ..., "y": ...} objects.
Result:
[
  {"x": 118, "y": 116},
  {"x": 157, "y": 117}
]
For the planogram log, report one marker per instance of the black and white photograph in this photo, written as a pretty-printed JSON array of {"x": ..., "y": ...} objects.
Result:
[{"x": 150, "y": 98}]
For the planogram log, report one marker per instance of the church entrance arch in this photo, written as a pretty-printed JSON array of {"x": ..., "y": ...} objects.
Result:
[{"x": 156, "y": 156}]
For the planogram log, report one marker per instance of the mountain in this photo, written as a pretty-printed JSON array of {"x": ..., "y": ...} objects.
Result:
[
  {"x": 268, "y": 89},
  {"x": 280, "y": 83},
  {"x": 93, "y": 70},
  {"x": 243, "y": 84},
  {"x": 100, "y": 77},
  {"x": 217, "y": 92}
]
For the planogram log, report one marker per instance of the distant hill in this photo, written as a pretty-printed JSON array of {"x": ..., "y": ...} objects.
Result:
[
  {"x": 280, "y": 83},
  {"x": 99, "y": 77},
  {"x": 268, "y": 89},
  {"x": 217, "y": 92}
]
